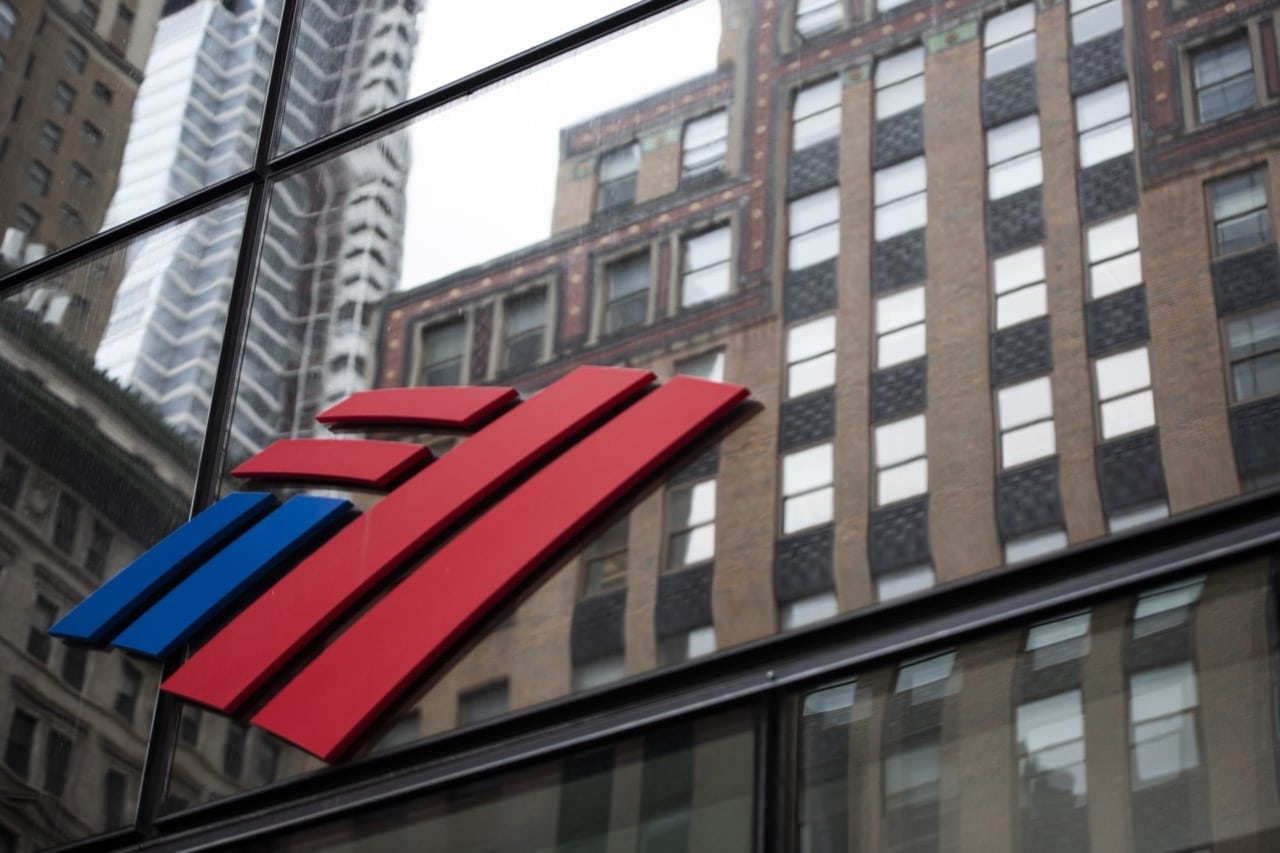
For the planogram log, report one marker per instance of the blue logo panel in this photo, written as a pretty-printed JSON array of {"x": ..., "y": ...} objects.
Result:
[
  {"x": 98, "y": 617},
  {"x": 207, "y": 591}
]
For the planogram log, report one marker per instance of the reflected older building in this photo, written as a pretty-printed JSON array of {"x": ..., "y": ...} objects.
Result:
[
  {"x": 89, "y": 478},
  {"x": 989, "y": 288},
  {"x": 70, "y": 71}
]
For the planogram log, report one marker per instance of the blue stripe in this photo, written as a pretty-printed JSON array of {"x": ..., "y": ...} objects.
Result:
[
  {"x": 171, "y": 621},
  {"x": 96, "y": 618}
]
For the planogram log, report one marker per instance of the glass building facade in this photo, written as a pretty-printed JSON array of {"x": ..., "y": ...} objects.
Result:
[{"x": 988, "y": 562}]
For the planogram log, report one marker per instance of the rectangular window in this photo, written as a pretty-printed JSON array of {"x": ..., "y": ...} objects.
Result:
[
  {"x": 1240, "y": 217},
  {"x": 617, "y": 172},
  {"x": 900, "y": 201},
  {"x": 1009, "y": 40},
  {"x": 687, "y": 645},
  {"x": 1166, "y": 606},
  {"x": 814, "y": 17},
  {"x": 902, "y": 582},
  {"x": 900, "y": 327},
  {"x": 57, "y": 761},
  {"x": 902, "y": 471},
  {"x": 1050, "y": 749},
  {"x": 483, "y": 703},
  {"x": 606, "y": 560},
  {"x": 1093, "y": 18},
  {"x": 189, "y": 725},
  {"x": 73, "y": 666},
  {"x": 27, "y": 220},
  {"x": 1115, "y": 263},
  {"x": 1059, "y": 640},
  {"x": 69, "y": 216},
  {"x": 63, "y": 97},
  {"x": 706, "y": 273},
  {"x": 17, "y": 749},
  {"x": 1019, "y": 287},
  {"x": 709, "y": 365},
  {"x": 1013, "y": 157},
  {"x": 443, "y": 348},
  {"x": 89, "y": 13},
  {"x": 13, "y": 471},
  {"x": 114, "y": 793},
  {"x": 130, "y": 688},
  {"x": 691, "y": 524},
  {"x": 51, "y": 137},
  {"x": 1104, "y": 124},
  {"x": 1026, "y": 422},
  {"x": 1222, "y": 76},
  {"x": 66, "y": 523},
  {"x": 38, "y": 178},
  {"x": 705, "y": 145},
  {"x": 43, "y": 614},
  {"x": 626, "y": 292},
  {"x": 525, "y": 316},
  {"x": 91, "y": 133},
  {"x": 95, "y": 559},
  {"x": 1124, "y": 392},
  {"x": 233, "y": 750},
  {"x": 266, "y": 761},
  {"x": 81, "y": 176},
  {"x": 1162, "y": 716},
  {"x": 77, "y": 56},
  {"x": 806, "y": 611},
  {"x": 811, "y": 356},
  {"x": 1030, "y": 545},
  {"x": 808, "y": 498},
  {"x": 814, "y": 235},
  {"x": 899, "y": 82},
  {"x": 8, "y": 19},
  {"x": 1254, "y": 342},
  {"x": 815, "y": 114},
  {"x": 103, "y": 92}
]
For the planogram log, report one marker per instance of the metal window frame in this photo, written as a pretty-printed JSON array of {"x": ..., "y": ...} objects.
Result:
[{"x": 762, "y": 674}]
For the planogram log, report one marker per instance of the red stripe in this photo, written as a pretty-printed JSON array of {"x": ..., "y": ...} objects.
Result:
[
  {"x": 333, "y": 460},
  {"x": 330, "y": 703},
  {"x": 252, "y": 647},
  {"x": 448, "y": 407}
]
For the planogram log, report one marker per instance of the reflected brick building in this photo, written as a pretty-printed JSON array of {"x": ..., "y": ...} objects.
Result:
[{"x": 1005, "y": 281}]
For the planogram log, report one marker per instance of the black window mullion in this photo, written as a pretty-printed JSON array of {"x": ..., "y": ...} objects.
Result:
[{"x": 165, "y": 721}]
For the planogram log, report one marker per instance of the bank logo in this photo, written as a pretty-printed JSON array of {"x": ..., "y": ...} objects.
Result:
[{"x": 470, "y": 526}]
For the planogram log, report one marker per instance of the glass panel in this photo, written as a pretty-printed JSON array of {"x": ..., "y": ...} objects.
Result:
[
  {"x": 682, "y": 787},
  {"x": 806, "y": 469},
  {"x": 900, "y": 346},
  {"x": 1128, "y": 414},
  {"x": 900, "y": 309},
  {"x": 881, "y": 769},
  {"x": 899, "y": 441},
  {"x": 810, "y": 339},
  {"x": 1010, "y": 55},
  {"x": 1020, "y": 268},
  {"x": 902, "y": 216},
  {"x": 110, "y": 116},
  {"x": 1025, "y": 402},
  {"x": 1106, "y": 142},
  {"x": 1015, "y": 175},
  {"x": 1105, "y": 105},
  {"x": 1027, "y": 443},
  {"x": 1009, "y": 140},
  {"x": 1123, "y": 372},
  {"x": 1024, "y": 304},
  {"x": 95, "y": 468},
  {"x": 1098, "y": 21},
  {"x": 901, "y": 180},
  {"x": 904, "y": 481},
  {"x": 904, "y": 582},
  {"x": 816, "y": 114}
]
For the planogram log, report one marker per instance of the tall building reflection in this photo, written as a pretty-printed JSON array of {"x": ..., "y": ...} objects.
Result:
[{"x": 325, "y": 267}]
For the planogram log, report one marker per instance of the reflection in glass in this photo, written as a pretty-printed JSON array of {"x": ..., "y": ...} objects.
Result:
[
  {"x": 1067, "y": 734},
  {"x": 681, "y": 787}
]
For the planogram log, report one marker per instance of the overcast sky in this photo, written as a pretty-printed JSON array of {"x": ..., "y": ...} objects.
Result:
[{"x": 484, "y": 170}]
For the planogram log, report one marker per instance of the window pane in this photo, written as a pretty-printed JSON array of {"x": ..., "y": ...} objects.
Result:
[
  {"x": 1026, "y": 402},
  {"x": 1101, "y": 107},
  {"x": 1115, "y": 275},
  {"x": 901, "y": 180},
  {"x": 1018, "y": 269},
  {"x": 1106, "y": 142},
  {"x": 1015, "y": 175},
  {"x": 1024, "y": 304},
  {"x": 1027, "y": 443},
  {"x": 1123, "y": 372},
  {"x": 1098, "y": 21},
  {"x": 808, "y": 510},
  {"x": 814, "y": 247},
  {"x": 904, "y": 481},
  {"x": 1009, "y": 140},
  {"x": 1002, "y": 27},
  {"x": 1012, "y": 54},
  {"x": 811, "y": 375},
  {"x": 900, "y": 309},
  {"x": 902, "y": 216},
  {"x": 1128, "y": 414},
  {"x": 809, "y": 339},
  {"x": 899, "y": 441},
  {"x": 900, "y": 346},
  {"x": 904, "y": 582},
  {"x": 806, "y": 469}
]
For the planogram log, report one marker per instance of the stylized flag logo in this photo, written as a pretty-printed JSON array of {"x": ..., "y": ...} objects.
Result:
[{"x": 535, "y": 475}]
